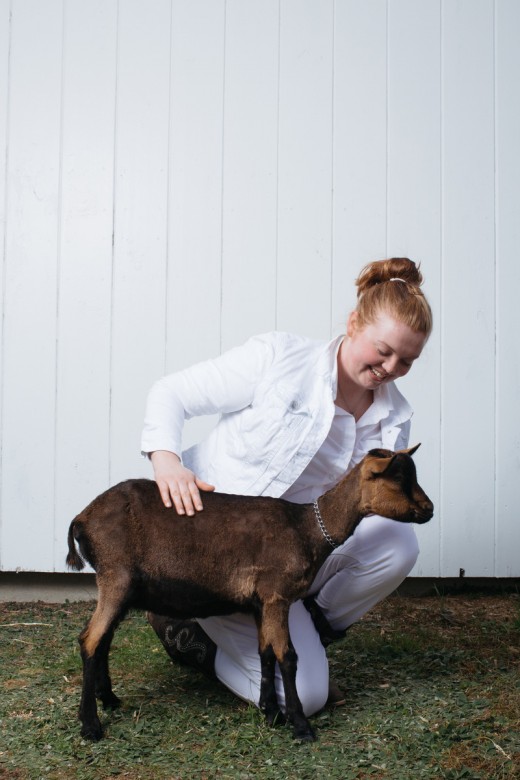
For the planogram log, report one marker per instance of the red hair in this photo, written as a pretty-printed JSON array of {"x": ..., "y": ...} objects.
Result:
[{"x": 393, "y": 287}]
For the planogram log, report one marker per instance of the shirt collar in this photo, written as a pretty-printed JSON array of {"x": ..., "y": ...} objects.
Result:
[{"x": 333, "y": 349}]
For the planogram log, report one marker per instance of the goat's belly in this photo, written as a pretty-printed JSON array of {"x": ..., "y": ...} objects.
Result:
[{"x": 178, "y": 598}]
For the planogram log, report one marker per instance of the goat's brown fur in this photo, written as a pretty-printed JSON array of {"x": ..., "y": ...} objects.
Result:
[{"x": 242, "y": 553}]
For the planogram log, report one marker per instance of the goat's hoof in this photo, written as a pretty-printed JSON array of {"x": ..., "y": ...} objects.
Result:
[
  {"x": 304, "y": 734},
  {"x": 111, "y": 702},
  {"x": 275, "y": 718},
  {"x": 92, "y": 731}
]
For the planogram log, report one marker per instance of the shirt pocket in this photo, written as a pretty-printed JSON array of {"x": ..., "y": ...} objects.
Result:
[{"x": 270, "y": 425}]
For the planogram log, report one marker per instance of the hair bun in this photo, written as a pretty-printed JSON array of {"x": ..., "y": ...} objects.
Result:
[
  {"x": 394, "y": 269},
  {"x": 402, "y": 298}
]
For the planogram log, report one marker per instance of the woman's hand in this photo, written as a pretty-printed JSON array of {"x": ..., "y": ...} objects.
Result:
[{"x": 177, "y": 484}]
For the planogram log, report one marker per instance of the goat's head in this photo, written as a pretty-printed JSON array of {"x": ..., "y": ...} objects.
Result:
[{"x": 389, "y": 487}]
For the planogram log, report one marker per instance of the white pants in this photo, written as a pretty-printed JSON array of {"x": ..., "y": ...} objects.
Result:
[{"x": 355, "y": 577}]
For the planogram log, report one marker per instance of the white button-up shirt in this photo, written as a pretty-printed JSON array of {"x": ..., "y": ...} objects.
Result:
[{"x": 275, "y": 396}]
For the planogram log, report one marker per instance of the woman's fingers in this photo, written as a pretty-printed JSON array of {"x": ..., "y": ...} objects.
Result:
[
  {"x": 181, "y": 497},
  {"x": 204, "y": 485},
  {"x": 164, "y": 490},
  {"x": 178, "y": 485}
]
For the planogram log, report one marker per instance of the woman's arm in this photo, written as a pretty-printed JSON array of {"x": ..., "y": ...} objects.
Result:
[{"x": 224, "y": 384}]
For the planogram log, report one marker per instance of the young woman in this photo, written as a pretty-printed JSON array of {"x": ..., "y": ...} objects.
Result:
[{"x": 295, "y": 416}]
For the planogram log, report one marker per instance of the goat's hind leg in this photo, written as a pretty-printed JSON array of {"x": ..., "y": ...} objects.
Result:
[
  {"x": 268, "y": 699},
  {"x": 94, "y": 644},
  {"x": 103, "y": 686}
]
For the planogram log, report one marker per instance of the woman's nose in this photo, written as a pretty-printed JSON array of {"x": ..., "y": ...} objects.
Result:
[{"x": 390, "y": 365}]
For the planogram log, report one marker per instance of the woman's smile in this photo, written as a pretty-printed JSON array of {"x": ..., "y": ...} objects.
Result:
[
  {"x": 380, "y": 352},
  {"x": 377, "y": 374}
]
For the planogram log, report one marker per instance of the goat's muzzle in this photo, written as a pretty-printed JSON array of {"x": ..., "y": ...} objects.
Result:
[{"x": 423, "y": 511}]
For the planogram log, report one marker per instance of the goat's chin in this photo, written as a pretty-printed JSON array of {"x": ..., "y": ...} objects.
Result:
[{"x": 421, "y": 517}]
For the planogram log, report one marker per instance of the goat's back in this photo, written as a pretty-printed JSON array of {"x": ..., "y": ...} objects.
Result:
[{"x": 236, "y": 541}]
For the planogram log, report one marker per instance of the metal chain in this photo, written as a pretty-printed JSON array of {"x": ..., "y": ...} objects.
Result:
[{"x": 321, "y": 524}]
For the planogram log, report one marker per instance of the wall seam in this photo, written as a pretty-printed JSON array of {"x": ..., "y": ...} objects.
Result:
[
  {"x": 59, "y": 225},
  {"x": 4, "y": 260},
  {"x": 113, "y": 256},
  {"x": 496, "y": 292},
  {"x": 441, "y": 282},
  {"x": 222, "y": 170}
]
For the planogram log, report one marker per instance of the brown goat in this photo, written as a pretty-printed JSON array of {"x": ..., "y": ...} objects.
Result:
[{"x": 252, "y": 554}]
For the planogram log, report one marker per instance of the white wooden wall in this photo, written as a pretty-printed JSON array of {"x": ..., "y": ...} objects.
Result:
[{"x": 177, "y": 175}]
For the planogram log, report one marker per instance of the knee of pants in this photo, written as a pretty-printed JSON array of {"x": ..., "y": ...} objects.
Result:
[
  {"x": 313, "y": 693},
  {"x": 404, "y": 554},
  {"x": 401, "y": 552}
]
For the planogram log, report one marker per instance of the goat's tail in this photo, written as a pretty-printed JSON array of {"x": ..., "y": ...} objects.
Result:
[{"x": 74, "y": 559}]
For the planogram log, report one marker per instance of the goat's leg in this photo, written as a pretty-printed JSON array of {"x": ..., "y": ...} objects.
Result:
[
  {"x": 321, "y": 624},
  {"x": 268, "y": 699},
  {"x": 275, "y": 641},
  {"x": 302, "y": 729},
  {"x": 90, "y": 724},
  {"x": 94, "y": 643},
  {"x": 103, "y": 685}
]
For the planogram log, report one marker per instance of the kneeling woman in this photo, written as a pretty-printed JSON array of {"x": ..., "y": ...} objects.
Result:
[{"x": 295, "y": 416}]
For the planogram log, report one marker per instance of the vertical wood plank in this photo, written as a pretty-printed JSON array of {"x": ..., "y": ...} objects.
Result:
[
  {"x": 29, "y": 365},
  {"x": 250, "y": 169},
  {"x": 305, "y": 167},
  {"x": 195, "y": 185},
  {"x": 5, "y": 30},
  {"x": 193, "y": 330},
  {"x": 140, "y": 228},
  {"x": 414, "y": 220},
  {"x": 468, "y": 282},
  {"x": 507, "y": 25},
  {"x": 83, "y": 378},
  {"x": 360, "y": 99}
]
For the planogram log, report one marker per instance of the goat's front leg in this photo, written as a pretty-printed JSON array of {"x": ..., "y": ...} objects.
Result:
[
  {"x": 275, "y": 644},
  {"x": 321, "y": 624},
  {"x": 302, "y": 729}
]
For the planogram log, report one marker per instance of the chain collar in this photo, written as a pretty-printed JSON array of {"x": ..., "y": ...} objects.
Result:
[{"x": 321, "y": 524}]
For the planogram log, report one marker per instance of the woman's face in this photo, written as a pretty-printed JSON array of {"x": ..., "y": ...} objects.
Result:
[{"x": 380, "y": 352}]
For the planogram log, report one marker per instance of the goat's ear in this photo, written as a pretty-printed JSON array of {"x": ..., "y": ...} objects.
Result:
[
  {"x": 379, "y": 452},
  {"x": 380, "y": 461},
  {"x": 391, "y": 467},
  {"x": 410, "y": 451}
]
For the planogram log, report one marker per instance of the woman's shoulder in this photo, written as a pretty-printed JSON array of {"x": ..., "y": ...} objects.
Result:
[
  {"x": 288, "y": 340},
  {"x": 303, "y": 349},
  {"x": 291, "y": 356}
]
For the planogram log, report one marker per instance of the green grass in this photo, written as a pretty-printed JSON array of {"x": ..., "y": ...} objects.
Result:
[{"x": 432, "y": 686}]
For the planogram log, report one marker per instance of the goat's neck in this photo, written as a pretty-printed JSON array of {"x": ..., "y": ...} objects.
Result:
[{"x": 340, "y": 507}]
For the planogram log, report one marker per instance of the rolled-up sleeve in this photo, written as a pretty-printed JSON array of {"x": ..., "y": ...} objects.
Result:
[{"x": 224, "y": 384}]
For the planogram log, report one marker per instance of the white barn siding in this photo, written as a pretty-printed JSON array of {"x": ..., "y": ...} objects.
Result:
[
  {"x": 177, "y": 175},
  {"x": 84, "y": 222},
  {"x": 31, "y": 272},
  {"x": 507, "y": 226}
]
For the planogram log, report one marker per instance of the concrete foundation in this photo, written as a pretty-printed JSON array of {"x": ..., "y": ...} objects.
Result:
[{"x": 57, "y": 588}]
